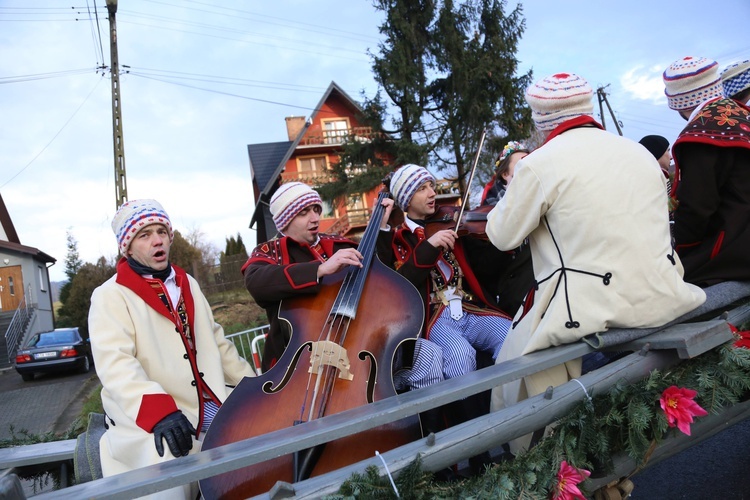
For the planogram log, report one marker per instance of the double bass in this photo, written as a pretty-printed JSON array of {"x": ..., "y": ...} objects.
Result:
[{"x": 341, "y": 353}]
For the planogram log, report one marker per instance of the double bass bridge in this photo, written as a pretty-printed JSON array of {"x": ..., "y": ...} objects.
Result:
[{"x": 328, "y": 353}]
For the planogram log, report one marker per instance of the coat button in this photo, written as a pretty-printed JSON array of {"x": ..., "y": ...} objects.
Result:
[
  {"x": 193, "y": 383},
  {"x": 186, "y": 356},
  {"x": 201, "y": 374}
]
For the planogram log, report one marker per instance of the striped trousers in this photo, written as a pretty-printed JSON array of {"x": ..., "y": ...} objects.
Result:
[{"x": 461, "y": 339}]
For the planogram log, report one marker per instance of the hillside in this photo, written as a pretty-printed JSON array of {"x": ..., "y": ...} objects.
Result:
[{"x": 237, "y": 311}]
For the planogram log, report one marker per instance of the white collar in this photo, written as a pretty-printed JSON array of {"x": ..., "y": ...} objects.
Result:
[{"x": 411, "y": 224}]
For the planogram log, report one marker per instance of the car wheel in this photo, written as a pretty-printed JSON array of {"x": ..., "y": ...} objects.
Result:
[
  {"x": 27, "y": 377},
  {"x": 86, "y": 365}
]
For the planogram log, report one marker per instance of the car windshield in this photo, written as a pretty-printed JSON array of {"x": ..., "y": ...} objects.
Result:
[{"x": 53, "y": 338}]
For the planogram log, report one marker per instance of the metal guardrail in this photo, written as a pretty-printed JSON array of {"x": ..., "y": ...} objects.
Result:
[
  {"x": 658, "y": 350},
  {"x": 447, "y": 447}
]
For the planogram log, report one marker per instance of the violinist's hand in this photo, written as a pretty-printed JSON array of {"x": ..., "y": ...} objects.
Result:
[
  {"x": 339, "y": 260},
  {"x": 388, "y": 204},
  {"x": 444, "y": 239}
]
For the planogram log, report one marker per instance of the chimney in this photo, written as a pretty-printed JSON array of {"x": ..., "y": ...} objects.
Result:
[{"x": 294, "y": 124}]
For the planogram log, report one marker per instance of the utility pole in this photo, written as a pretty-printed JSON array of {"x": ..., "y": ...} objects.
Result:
[
  {"x": 121, "y": 185},
  {"x": 602, "y": 96}
]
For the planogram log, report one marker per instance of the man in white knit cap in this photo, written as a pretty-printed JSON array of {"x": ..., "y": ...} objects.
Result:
[
  {"x": 594, "y": 208},
  {"x": 712, "y": 171},
  {"x": 164, "y": 364}
]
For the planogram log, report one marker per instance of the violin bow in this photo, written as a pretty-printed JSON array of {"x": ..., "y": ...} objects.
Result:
[{"x": 471, "y": 179}]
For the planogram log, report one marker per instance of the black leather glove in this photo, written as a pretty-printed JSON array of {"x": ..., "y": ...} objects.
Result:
[{"x": 178, "y": 431}]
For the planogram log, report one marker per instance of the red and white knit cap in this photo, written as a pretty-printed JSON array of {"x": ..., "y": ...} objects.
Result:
[
  {"x": 289, "y": 200},
  {"x": 691, "y": 81},
  {"x": 133, "y": 216},
  {"x": 558, "y": 98}
]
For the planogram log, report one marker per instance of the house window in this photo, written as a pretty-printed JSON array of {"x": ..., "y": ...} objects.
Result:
[
  {"x": 355, "y": 202},
  {"x": 328, "y": 211},
  {"x": 42, "y": 284},
  {"x": 312, "y": 164},
  {"x": 334, "y": 131},
  {"x": 11, "y": 286},
  {"x": 356, "y": 209}
]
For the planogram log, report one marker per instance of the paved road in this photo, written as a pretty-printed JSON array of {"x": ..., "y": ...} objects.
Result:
[
  {"x": 48, "y": 403},
  {"x": 714, "y": 469}
]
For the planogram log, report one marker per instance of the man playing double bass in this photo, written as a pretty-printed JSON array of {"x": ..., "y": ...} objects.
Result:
[{"x": 293, "y": 263}]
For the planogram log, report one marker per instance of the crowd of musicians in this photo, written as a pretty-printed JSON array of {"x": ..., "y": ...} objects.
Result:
[{"x": 587, "y": 232}]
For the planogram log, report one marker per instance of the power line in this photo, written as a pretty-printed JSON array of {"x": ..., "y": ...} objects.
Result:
[
  {"x": 307, "y": 44},
  {"x": 54, "y": 137},
  {"x": 96, "y": 15},
  {"x": 223, "y": 93},
  {"x": 286, "y": 23},
  {"x": 42, "y": 76},
  {"x": 134, "y": 70}
]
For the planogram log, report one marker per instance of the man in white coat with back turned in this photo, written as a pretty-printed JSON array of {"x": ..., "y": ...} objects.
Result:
[
  {"x": 164, "y": 364},
  {"x": 594, "y": 207}
]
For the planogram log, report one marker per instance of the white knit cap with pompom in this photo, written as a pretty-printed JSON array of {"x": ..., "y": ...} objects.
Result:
[{"x": 558, "y": 98}]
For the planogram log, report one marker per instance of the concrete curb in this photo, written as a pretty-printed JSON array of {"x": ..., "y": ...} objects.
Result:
[{"x": 72, "y": 411}]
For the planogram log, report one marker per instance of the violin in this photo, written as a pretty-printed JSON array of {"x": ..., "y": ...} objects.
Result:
[
  {"x": 472, "y": 223},
  {"x": 463, "y": 222}
]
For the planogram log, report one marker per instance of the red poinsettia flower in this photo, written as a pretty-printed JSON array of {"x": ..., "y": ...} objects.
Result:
[
  {"x": 742, "y": 336},
  {"x": 680, "y": 408},
  {"x": 568, "y": 479}
]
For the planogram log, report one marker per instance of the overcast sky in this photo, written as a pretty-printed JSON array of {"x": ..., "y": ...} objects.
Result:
[{"x": 207, "y": 77}]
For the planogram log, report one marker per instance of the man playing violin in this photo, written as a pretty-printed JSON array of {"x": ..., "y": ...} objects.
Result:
[
  {"x": 293, "y": 263},
  {"x": 462, "y": 315}
]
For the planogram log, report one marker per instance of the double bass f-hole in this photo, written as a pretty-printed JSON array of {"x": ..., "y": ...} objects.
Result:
[{"x": 342, "y": 345}]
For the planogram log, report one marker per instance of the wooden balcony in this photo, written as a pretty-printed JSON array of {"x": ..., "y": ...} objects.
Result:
[
  {"x": 350, "y": 221},
  {"x": 312, "y": 178},
  {"x": 318, "y": 137},
  {"x": 317, "y": 177}
]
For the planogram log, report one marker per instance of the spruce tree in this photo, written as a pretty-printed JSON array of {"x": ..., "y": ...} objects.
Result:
[
  {"x": 446, "y": 71},
  {"x": 72, "y": 264}
]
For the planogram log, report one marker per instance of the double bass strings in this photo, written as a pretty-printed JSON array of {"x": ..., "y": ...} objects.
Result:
[{"x": 345, "y": 306}]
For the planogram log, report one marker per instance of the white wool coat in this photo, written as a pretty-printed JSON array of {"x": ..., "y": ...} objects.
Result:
[
  {"x": 146, "y": 372},
  {"x": 594, "y": 207}
]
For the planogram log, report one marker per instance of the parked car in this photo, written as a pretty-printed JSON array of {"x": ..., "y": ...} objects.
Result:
[{"x": 57, "y": 351}]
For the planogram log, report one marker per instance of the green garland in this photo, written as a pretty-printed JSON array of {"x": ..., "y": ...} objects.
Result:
[{"x": 626, "y": 419}]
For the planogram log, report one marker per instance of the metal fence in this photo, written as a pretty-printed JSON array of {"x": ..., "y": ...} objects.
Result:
[
  {"x": 250, "y": 343},
  {"x": 224, "y": 276},
  {"x": 17, "y": 329}
]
